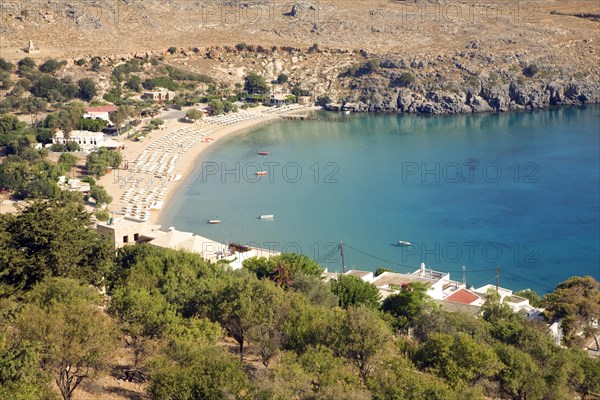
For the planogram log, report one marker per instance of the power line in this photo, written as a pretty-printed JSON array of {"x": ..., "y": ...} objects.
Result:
[
  {"x": 379, "y": 258},
  {"x": 326, "y": 256},
  {"x": 410, "y": 266},
  {"x": 528, "y": 280}
]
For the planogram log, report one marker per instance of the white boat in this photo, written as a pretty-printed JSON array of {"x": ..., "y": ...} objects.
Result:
[
  {"x": 214, "y": 221},
  {"x": 266, "y": 216},
  {"x": 347, "y": 112},
  {"x": 404, "y": 243}
]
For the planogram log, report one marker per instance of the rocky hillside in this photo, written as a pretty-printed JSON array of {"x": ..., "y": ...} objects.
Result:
[{"x": 423, "y": 56}]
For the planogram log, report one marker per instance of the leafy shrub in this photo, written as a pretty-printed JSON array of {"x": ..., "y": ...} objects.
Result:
[
  {"x": 161, "y": 81},
  {"x": 51, "y": 65},
  {"x": 530, "y": 70},
  {"x": 405, "y": 79},
  {"x": 323, "y": 101}
]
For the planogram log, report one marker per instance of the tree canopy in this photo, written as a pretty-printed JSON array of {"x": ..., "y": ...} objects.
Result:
[
  {"x": 255, "y": 84},
  {"x": 352, "y": 290},
  {"x": 52, "y": 237}
]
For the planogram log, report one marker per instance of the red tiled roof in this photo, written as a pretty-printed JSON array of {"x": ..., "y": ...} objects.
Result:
[
  {"x": 462, "y": 296},
  {"x": 101, "y": 109}
]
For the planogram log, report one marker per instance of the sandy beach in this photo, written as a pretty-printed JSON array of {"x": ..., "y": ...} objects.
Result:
[{"x": 184, "y": 167}]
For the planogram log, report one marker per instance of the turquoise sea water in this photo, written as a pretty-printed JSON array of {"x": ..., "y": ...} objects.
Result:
[{"x": 519, "y": 191}]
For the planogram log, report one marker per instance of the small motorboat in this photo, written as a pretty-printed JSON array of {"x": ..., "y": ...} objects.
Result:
[
  {"x": 266, "y": 216},
  {"x": 404, "y": 243},
  {"x": 261, "y": 173},
  {"x": 263, "y": 153},
  {"x": 214, "y": 221}
]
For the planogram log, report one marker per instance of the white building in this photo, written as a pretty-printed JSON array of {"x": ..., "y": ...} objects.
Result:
[
  {"x": 102, "y": 112},
  {"x": 85, "y": 139}
]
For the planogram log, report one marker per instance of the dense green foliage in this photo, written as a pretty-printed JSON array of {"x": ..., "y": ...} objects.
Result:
[
  {"x": 160, "y": 82},
  {"x": 255, "y": 84},
  {"x": 194, "y": 114},
  {"x": 87, "y": 89},
  {"x": 173, "y": 311},
  {"x": 50, "y": 238},
  {"x": 352, "y": 290},
  {"x": 98, "y": 163},
  {"x": 52, "y": 65},
  {"x": 53, "y": 89}
]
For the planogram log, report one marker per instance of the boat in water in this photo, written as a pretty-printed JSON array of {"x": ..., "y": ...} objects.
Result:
[
  {"x": 404, "y": 243},
  {"x": 261, "y": 173},
  {"x": 266, "y": 216},
  {"x": 263, "y": 153},
  {"x": 214, "y": 221}
]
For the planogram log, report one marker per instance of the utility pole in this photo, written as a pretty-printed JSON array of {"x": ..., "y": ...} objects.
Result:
[
  {"x": 464, "y": 270},
  {"x": 497, "y": 277},
  {"x": 343, "y": 261}
]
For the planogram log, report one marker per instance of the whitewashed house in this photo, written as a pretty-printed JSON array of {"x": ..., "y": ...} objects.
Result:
[
  {"x": 102, "y": 112},
  {"x": 86, "y": 140}
]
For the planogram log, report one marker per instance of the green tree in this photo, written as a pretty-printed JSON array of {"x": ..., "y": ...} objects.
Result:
[
  {"x": 405, "y": 79},
  {"x": 493, "y": 310},
  {"x": 282, "y": 78},
  {"x": 6, "y": 66},
  {"x": 530, "y": 70},
  {"x": 372, "y": 65},
  {"x": 26, "y": 65},
  {"x": 352, "y": 290},
  {"x": 534, "y": 298},
  {"x": 20, "y": 377},
  {"x": 134, "y": 83},
  {"x": 68, "y": 160},
  {"x": 194, "y": 114},
  {"x": 520, "y": 377},
  {"x": 459, "y": 359},
  {"x": 381, "y": 270},
  {"x": 51, "y": 65},
  {"x": 242, "y": 305},
  {"x": 293, "y": 263},
  {"x": 407, "y": 305},
  {"x": 100, "y": 195},
  {"x": 51, "y": 237},
  {"x": 576, "y": 303},
  {"x": 191, "y": 370},
  {"x": 87, "y": 89},
  {"x": 69, "y": 116},
  {"x": 363, "y": 336},
  {"x": 5, "y": 81},
  {"x": 119, "y": 116},
  {"x": 397, "y": 379},
  {"x": 267, "y": 335},
  {"x": 315, "y": 374},
  {"x": 217, "y": 106},
  {"x": 143, "y": 317},
  {"x": 34, "y": 106},
  {"x": 255, "y": 84},
  {"x": 75, "y": 337},
  {"x": 72, "y": 146},
  {"x": 314, "y": 290},
  {"x": 93, "y": 125}
]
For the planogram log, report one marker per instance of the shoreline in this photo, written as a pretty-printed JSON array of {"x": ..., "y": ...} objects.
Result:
[{"x": 188, "y": 161}]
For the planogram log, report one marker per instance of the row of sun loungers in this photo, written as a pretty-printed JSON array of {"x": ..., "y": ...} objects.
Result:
[{"x": 146, "y": 183}]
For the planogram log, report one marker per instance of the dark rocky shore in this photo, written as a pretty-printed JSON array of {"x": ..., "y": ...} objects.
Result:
[{"x": 505, "y": 97}]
